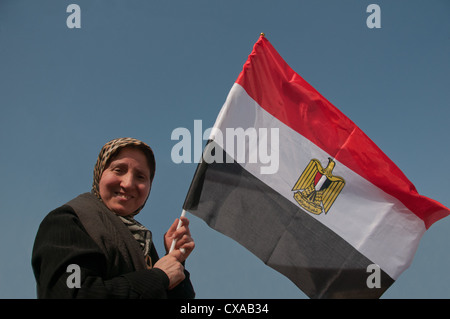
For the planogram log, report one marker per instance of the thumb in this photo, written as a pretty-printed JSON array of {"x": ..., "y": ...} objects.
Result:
[{"x": 177, "y": 254}]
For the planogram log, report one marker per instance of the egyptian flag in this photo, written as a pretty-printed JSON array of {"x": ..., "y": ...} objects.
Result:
[{"x": 313, "y": 197}]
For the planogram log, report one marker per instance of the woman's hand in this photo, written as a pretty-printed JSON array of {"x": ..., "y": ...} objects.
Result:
[
  {"x": 185, "y": 244},
  {"x": 173, "y": 268}
]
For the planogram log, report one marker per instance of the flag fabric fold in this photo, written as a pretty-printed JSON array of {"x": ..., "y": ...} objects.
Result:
[{"x": 321, "y": 203}]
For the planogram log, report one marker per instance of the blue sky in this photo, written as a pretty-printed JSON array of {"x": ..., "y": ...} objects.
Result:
[{"x": 144, "y": 68}]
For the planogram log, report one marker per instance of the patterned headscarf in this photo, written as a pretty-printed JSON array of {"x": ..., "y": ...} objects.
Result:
[{"x": 107, "y": 153}]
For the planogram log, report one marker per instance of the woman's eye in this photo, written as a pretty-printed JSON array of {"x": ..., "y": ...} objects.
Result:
[{"x": 117, "y": 170}]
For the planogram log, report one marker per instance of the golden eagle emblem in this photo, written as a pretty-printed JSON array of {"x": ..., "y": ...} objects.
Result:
[{"x": 317, "y": 188}]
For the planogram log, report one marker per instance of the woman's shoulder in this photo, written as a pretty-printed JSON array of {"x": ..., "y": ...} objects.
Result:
[
  {"x": 58, "y": 224},
  {"x": 69, "y": 209},
  {"x": 64, "y": 215}
]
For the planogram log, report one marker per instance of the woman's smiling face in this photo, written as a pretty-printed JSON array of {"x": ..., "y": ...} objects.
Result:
[{"x": 125, "y": 184}]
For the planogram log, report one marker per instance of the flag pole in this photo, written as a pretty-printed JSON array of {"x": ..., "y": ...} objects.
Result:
[{"x": 174, "y": 242}]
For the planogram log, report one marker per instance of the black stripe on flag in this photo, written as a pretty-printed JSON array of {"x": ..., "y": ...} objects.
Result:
[{"x": 236, "y": 203}]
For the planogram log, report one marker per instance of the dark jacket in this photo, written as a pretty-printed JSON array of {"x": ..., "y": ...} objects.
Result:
[{"x": 85, "y": 233}]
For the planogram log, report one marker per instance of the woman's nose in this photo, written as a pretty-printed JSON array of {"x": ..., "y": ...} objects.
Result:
[{"x": 127, "y": 180}]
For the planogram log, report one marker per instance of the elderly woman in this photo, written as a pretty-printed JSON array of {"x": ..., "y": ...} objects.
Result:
[{"x": 97, "y": 234}]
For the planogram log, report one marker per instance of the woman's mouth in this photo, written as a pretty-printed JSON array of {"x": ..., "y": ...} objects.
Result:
[{"x": 123, "y": 196}]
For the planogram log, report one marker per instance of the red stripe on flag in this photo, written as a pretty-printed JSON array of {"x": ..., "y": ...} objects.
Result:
[{"x": 269, "y": 80}]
